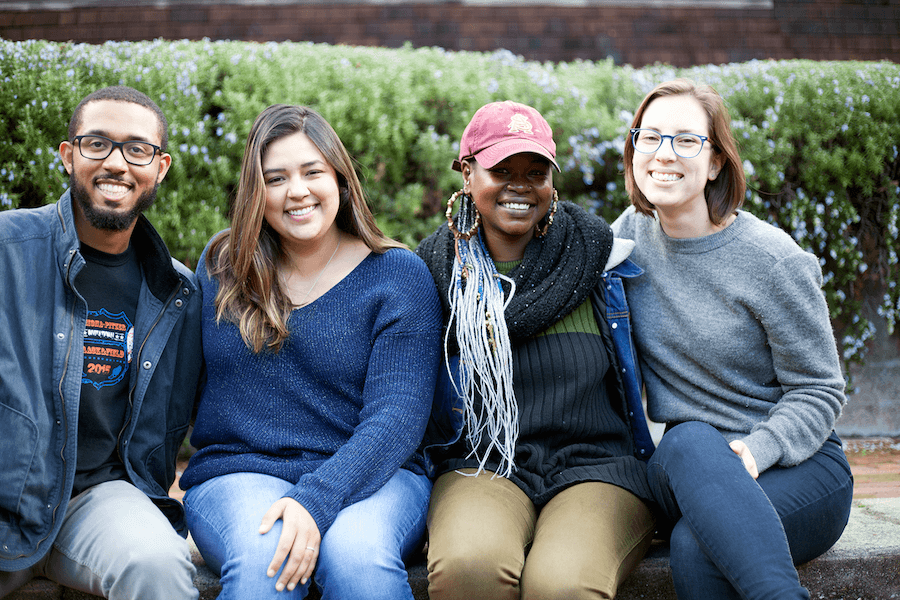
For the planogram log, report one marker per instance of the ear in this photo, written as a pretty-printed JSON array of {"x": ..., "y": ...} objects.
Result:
[
  {"x": 165, "y": 161},
  {"x": 66, "y": 151},
  {"x": 466, "y": 173},
  {"x": 715, "y": 166}
]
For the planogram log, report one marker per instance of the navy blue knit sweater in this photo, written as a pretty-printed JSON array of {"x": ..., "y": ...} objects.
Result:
[{"x": 342, "y": 406}]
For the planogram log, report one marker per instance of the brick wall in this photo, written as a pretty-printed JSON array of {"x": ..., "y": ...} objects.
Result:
[{"x": 636, "y": 35}]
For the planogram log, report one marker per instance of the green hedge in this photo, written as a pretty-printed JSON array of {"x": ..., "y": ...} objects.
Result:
[{"x": 819, "y": 139}]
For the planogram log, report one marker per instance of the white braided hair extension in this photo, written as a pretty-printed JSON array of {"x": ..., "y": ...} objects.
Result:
[{"x": 477, "y": 306}]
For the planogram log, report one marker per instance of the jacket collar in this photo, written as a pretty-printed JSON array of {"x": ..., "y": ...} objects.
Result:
[
  {"x": 621, "y": 249},
  {"x": 156, "y": 262}
]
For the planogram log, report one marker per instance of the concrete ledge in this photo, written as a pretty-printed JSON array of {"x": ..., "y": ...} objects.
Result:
[{"x": 864, "y": 564}]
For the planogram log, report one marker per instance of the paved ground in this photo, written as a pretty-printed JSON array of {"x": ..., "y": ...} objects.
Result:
[{"x": 875, "y": 463}]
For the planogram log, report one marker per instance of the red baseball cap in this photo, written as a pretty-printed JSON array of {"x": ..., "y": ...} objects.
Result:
[{"x": 500, "y": 129}]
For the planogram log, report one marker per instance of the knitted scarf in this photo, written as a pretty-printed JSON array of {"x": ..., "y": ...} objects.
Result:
[{"x": 555, "y": 276}]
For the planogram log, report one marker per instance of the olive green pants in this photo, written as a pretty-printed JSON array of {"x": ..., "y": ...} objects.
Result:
[{"x": 488, "y": 541}]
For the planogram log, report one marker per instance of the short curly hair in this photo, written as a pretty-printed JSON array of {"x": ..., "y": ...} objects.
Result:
[{"x": 121, "y": 93}]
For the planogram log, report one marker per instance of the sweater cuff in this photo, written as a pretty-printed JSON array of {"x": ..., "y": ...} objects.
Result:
[
  {"x": 764, "y": 447},
  {"x": 320, "y": 513}
]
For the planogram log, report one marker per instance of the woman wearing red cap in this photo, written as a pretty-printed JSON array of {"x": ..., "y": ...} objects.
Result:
[{"x": 537, "y": 433}]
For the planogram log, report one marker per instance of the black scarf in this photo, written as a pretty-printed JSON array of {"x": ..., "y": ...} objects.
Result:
[{"x": 554, "y": 278}]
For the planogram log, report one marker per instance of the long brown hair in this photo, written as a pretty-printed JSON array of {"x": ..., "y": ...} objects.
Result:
[
  {"x": 724, "y": 194},
  {"x": 245, "y": 258}
]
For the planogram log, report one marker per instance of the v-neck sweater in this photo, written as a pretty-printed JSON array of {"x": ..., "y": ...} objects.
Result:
[{"x": 342, "y": 405}]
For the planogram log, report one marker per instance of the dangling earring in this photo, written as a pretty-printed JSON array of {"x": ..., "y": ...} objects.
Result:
[
  {"x": 462, "y": 207},
  {"x": 538, "y": 232}
]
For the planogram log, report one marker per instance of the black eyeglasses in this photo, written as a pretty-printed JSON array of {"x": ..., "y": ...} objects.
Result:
[
  {"x": 685, "y": 145},
  {"x": 97, "y": 147}
]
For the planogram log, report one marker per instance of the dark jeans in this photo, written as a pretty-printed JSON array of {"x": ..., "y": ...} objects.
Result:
[{"x": 736, "y": 537}]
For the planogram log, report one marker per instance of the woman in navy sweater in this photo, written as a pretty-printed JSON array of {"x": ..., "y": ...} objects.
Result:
[{"x": 321, "y": 338}]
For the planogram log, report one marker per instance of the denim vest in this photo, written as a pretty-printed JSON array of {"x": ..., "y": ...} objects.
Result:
[{"x": 610, "y": 306}]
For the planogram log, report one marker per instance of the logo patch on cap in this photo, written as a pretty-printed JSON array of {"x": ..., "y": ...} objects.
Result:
[{"x": 520, "y": 124}]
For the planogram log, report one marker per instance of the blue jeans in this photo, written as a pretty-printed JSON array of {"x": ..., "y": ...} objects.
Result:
[
  {"x": 115, "y": 543},
  {"x": 736, "y": 537},
  {"x": 361, "y": 556}
]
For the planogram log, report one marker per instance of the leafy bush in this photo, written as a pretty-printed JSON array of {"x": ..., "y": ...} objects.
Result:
[{"x": 819, "y": 139}]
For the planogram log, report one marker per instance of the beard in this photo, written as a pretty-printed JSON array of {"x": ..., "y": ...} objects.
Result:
[{"x": 107, "y": 220}]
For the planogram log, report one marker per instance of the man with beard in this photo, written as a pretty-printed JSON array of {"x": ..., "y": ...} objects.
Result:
[{"x": 100, "y": 362}]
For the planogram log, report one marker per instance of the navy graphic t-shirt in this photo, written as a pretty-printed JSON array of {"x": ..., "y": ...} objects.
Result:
[{"x": 111, "y": 284}]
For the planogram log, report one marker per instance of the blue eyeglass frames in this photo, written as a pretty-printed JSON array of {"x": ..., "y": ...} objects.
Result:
[{"x": 685, "y": 145}]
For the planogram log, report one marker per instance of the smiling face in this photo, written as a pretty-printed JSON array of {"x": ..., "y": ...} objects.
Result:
[
  {"x": 672, "y": 184},
  {"x": 109, "y": 194},
  {"x": 512, "y": 197},
  {"x": 302, "y": 192}
]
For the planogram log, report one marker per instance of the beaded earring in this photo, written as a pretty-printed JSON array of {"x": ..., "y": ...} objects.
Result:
[
  {"x": 541, "y": 232},
  {"x": 464, "y": 208}
]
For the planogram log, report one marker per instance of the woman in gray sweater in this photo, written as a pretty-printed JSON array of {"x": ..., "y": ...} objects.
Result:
[{"x": 738, "y": 358}]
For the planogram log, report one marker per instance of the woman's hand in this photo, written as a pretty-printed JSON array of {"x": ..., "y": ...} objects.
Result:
[
  {"x": 741, "y": 449},
  {"x": 299, "y": 543}
]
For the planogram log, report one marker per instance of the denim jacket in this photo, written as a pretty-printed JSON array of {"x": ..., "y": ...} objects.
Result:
[
  {"x": 613, "y": 317},
  {"x": 42, "y": 322}
]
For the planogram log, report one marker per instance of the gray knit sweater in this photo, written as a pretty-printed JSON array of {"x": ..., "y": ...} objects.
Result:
[{"x": 732, "y": 329}]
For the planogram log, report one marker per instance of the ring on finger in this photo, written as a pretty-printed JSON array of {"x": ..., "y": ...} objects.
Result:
[{"x": 310, "y": 548}]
